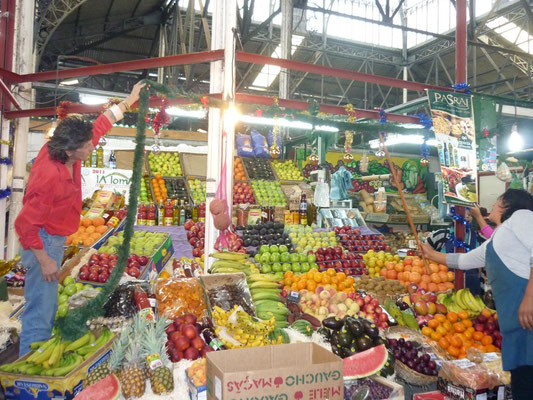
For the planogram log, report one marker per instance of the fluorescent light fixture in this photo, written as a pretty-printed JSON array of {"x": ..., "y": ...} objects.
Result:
[
  {"x": 69, "y": 82},
  {"x": 402, "y": 139},
  {"x": 91, "y": 99},
  {"x": 250, "y": 119},
  {"x": 515, "y": 143},
  {"x": 180, "y": 112},
  {"x": 152, "y": 74}
]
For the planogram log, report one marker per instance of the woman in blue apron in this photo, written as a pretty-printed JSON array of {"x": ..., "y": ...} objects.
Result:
[{"x": 507, "y": 257}]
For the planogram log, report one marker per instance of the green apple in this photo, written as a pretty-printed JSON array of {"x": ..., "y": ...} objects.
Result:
[
  {"x": 305, "y": 266},
  {"x": 286, "y": 267},
  {"x": 60, "y": 288},
  {"x": 296, "y": 267},
  {"x": 274, "y": 249},
  {"x": 285, "y": 256},
  {"x": 276, "y": 267},
  {"x": 63, "y": 298},
  {"x": 265, "y": 258},
  {"x": 70, "y": 289},
  {"x": 257, "y": 258},
  {"x": 311, "y": 258},
  {"x": 79, "y": 287},
  {"x": 302, "y": 257},
  {"x": 68, "y": 280},
  {"x": 274, "y": 257},
  {"x": 266, "y": 268},
  {"x": 62, "y": 310},
  {"x": 294, "y": 258},
  {"x": 264, "y": 249}
]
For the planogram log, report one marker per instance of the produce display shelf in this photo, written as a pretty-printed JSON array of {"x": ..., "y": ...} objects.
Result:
[
  {"x": 249, "y": 160},
  {"x": 286, "y": 181},
  {"x": 168, "y": 178},
  {"x": 194, "y": 164},
  {"x": 190, "y": 178}
]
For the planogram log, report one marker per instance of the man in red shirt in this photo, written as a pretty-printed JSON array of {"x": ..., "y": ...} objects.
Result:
[{"x": 51, "y": 211}]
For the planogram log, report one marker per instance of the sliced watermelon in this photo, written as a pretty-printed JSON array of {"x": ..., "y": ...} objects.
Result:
[
  {"x": 105, "y": 389},
  {"x": 366, "y": 363}
]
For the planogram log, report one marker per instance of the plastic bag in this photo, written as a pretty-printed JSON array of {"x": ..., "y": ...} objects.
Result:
[
  {"x": 120, "y": 303},
  {"x": 380, "y": 202},
  {"x": 271, "y": 139},
  {"x": 228, "y": 291},
  {"x": 259, "y": 145},
  {"x": 491, "y": 361},
  {"x": 503, "y": 173},
  {"x": 469, "y": 374},
  {"x": 516, "y": 182},
  {"x": 176, "y": 297},
  {"x": 244, "y": 145}
]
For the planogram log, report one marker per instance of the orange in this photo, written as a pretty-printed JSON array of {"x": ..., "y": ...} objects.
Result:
[
  {"x": 459, "y": 327},
  {"x": 392, "y": 274},
  {"x": 407, "y": 268},
  {"x": 456, "y": 341},
  {"x": 407, "y": 261},
  {"x": 468, "y": 334},
  {"x": 426, "y": 278},
  {"x": 158, "y": 176},
  {"x": 451, "y": 276},
  {"x": 341, "y": 276},
  {"x": 468, "y": 323},
  {"x": 443, "y": 276},
  {"x": 463, "y": 315},
  {"x": 101, "y": 229},
  {"x": 98, "y": 221},
  {"x": 90, "y": 229},
  {"x": 414, "y": 277},
  {"x": 433, "y": 267},
  {"x": 452, "y": 317},
  {"x": 454, "y": 351},
  {"x": 326, "y": 279},
  {"x": 301, "y": 284},
  {"x": 350, "y": 280},
  {"x": 433, "y": 323},
  {"x": 81, "y": 229},
  {"x": 317, "y": 278},
  {"x": 436, "y": 336},
  {"x": 444, "y": 343},
  {"x": 398, "y": 267},
  {"x": 449, "y": 285},
  {"x": 486, "y": 312},
  {"x": 383, "y": 272},
  {"x": 427, "y": 331},
  {"x": 443, "y": 267},
  {"x": 435, "y": 278},
  {"x": 164, "y": 275},
  {"x": 417, "y": 268},
  {"x": 442, "y": 287},
  {"x": 331, "y": 272},
  {"x": 294, "y": 286},
  {"x": 88, "y": 242},
  {"x": 95, "y": 236},
  {"x": 311, "y": 285},
  {"x": 486, "y": 340},
  {"x": 442, "y": 330},
  {"x": 477, "y": 335},
  {"x": 86, "y": 222},
  {"x": 492, "y": 349},
  {"x": 440, "y": 317},
  {"x": 417, "y": 263},
  {"x": 447, "y": 325},
  {"x": 423, "y": 285},
  {"x": 432, "y": 287},
  {"x": 289, "y": 274}
]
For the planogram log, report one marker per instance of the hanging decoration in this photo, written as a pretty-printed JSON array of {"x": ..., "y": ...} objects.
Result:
[
  {"x": 427, "y": 123},
  {"x": 313, "y": 158},
  {"x": 380, "y": 153},
  {"x": 348, "y": 140},
  {"x": 463, "y": 86},
  {"x": 6, "y": 142},
  {"x": 5, "y": 193},
  {"x": 459, "y": 219},
  {"x": 5, "y": 160},
  {"x": 274, "y": 148},
  {"x": 161, "y": 118},
  {"x": 363, "y": 163},
  {"x": 61, "y": 109}
]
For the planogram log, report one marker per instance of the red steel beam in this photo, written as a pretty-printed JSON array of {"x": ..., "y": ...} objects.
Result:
[
  {"x": 337, "y": 72},
  {"x": 181, "y": 59},
  {"x": 241, "y": 98}
]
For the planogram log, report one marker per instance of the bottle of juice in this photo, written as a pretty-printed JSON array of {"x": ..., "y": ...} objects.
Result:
[
  {"x": 201, "y": 212},
  {"x": 168, "y": 213},
  {"x": 160, "y": 213},
  {"x": 195, "y": 213},
  {"x": 182, "y": 214},
  {"x": 100, "y": 157},
  {"x": 141, "y": 214},
  {"x": 176, "y": 214},
  {"x": 151, "y": 214}
]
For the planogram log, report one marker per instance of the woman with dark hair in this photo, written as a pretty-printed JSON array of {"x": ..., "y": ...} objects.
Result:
[
  {"x": 51, "y": 211},
  {"x": 507, "y": 257}
]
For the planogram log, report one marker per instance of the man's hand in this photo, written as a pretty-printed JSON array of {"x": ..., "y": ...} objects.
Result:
[
  {"x": 525, "y": 313},
  {"x": 48, "y": 268}
]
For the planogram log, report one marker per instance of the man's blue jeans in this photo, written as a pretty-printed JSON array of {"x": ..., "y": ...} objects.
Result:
[{"x": 41, "y": 296}]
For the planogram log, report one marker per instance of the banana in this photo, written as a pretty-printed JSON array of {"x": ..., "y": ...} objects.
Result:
[
  {"x": 41, "y": 349},
  {"x": 35, "y": 370},
  {"x": 95, "y": 345},
  {"x": 262, "y": 290},
  {"x": 65, "y": 370},
  {"x": 230, "y": 264},
  {"x": 82, "y": 341},
  {"x": 45, "y": 355},
  {"x": 264, "y": 285},
  {"x": 23, "y": 368},
  {"x": 229, "y": 256},
  {"x": 265, "y": 296},
  {"x": 56, "y": 355},
  {"x": 263, "y": 277},
  {"x": 225, "y": 270},
  {"x": 36, "y": 345},
  {"x": 459, "y": 299},
  {"x": 471, "y": 302},
  {"x": 11, "y": 366}
]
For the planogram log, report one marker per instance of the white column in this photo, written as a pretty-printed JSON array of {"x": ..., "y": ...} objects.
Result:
[
  {"x": 222, "y": 80},
  {"x": 286, "y": 45},
  {"x": 4, "y": 152},
  {"x": 23, "y": 63}
]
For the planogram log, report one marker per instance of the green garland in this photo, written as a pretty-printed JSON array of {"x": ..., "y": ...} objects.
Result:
[{"x": 74, "y": 324}]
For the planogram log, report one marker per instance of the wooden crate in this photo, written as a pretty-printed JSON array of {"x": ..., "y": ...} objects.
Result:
[{"x": 193, "y": 164}]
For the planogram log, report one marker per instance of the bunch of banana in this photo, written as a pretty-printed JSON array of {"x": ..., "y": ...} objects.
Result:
[
  {"x": 462, "y": 300},
  {"x": 241, "y": 328},
  {"x": 55, "y": 357},
  {"x": 265, "y": 290}
]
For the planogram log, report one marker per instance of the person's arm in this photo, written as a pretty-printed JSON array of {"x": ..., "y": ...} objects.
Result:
[
  {"x": 487, "y": 231},
  {"x": 471, "y": 260},
  {"x": 525, "y": 311},
  {"x": 476, "y": 213},
  {"x": 105, "y": 121}
]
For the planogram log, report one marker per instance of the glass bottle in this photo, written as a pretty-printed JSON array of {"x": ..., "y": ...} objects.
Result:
[
  {"x": 303, "y": 209},
  {"x": 100, "y": 157},
  {"x": 446, "y": 154},
  {"x": 442, "y": 158},
  {"x": 141, "y": 214},
  {"x": 112, "y": 160},
  {"x": 151, "y": 214},
  {"x": 264, "y": 213},
  {"x": 176, "y": 214},
  {"x": 93, "y": 159},
  {"x": 168, "y": 213},
  {"x": 194, "y": 214},
  {"x": 450, "y": 154},
  {"x": 160, "y": 213},
  {"x": 188, "y": 211},
  {"x": 201, "y": 212},
  {"x": 183, "y": 214}
]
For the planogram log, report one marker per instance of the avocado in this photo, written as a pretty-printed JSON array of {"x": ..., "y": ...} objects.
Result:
[
  {"x": 344, "y": 338},
  {"x": 354, "y": 326}
]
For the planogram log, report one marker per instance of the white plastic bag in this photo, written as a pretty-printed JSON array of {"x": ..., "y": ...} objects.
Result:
[{"x": 503, "y": 173}]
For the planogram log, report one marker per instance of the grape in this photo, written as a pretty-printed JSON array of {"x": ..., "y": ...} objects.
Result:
[{"x": 377, "y": 390}]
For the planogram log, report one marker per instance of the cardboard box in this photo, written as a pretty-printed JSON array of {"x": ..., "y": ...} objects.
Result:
[
  {"x": 465, "y": 393},
  {"x": 196, "y": 392},
  {"x": 435, "y": 395},
  {"x": 289, "y": 371},
  {"x": 161, "y": 256},
  {"x": 24, "y": 387}
]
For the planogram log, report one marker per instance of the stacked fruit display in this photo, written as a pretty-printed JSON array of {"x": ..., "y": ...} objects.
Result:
[
  {"x": 287, "y": 170},
  {"x": 258, "y": 168},
  {"x": 145, "y": 194},
  {"x": 268, "y": 233},
  {"x": 487, "y": 322},
  {"x": 243, "y": 193},
  {"x": 313, "y": 279},
  {"x": 265, "y": 290},
  {"x": 65, "y": 290},
  {"x": 425, "y": 304},
  {"x": 380, "y": 286},
  {"x": 88, "y": 233},
  {"x": 351, "y": 335},
  {"x": 56, "y": 357},
  {"x": 342, "y": 261},
  {"x": 160, "y": 188},
  {"x": 276, "y": 258},
  {"x": 406, "y": 351},
  {"x": 455, "y": 333},
  {"x": 268, "y": 193},
  {"x": 197, "y": 190},
  {"x": 166, "y": 164},
  {"x": 142, "y": 243},
  {"x": 100, "y": 266},
  {"x": 195, "y": 236},
  {"x": 176, "y": 189},
  {"x": 412, "y": 273},
  {"x": 352, "y": 240},
  {"x": 184, "y": 339},
  {"x": 377, "y": 261},
  {"x": 308, "y": 169},
  {"x": 305, "y": 239},
  {"x": 236, "y": 328},
  {"x": 238, "y": 170}
]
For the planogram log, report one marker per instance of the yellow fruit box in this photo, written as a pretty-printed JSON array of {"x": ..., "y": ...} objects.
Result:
[{"x": 26, "y": 387}]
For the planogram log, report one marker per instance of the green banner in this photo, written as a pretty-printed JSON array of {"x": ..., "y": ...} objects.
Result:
[{"x": 453, "y": 123}]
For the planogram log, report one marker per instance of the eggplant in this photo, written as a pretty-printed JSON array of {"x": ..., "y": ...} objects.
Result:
[
  {"x": 325, "y": 332},
  {"x": 333, "y": 323},
  {"x": 354, "y": 326}
]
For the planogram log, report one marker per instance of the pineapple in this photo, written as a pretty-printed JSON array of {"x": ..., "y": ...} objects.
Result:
[
  {"x": 161, "y": 378},
  {"x": 132, "y": 377}
]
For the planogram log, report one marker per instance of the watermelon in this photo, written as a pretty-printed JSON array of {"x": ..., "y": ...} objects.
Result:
[
  {"x": 105, "y": 389},
  {"x": 365, "y": 363}
]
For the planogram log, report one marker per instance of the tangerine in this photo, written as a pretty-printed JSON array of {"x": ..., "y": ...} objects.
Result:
[
  {"x": 454, "y": 351},
  {"x": 415, "y": 277},
  {"x": 451, "y": 276},
  {"x": 407, "y": 261},
  {"x": 433, "y": 267},
  {"x": 440, "y": 317},
  {"x": 447, "y": 325},
  {"x": 433, "y": 323},
  {"x": 101, "y": 229},
  {"x": 86, "y": 222},
  {"x": 98, "y": 221},
  {"x": 444, "y": 343},
  {"x": 443, "y": 267},
  {"x": 452, "y": 317},
  {"x": 426, "y": 278},
  {"x": 423, "y": 285},
  {"x": 456, "y": 341},
  {"x": 441, "y": 287},
  {"x": 392, "y": 274},
  {"x": 331, "y": 272},
  {"x": 88, "y": 242},
  {"x": 442, "y": 330},
  {"x": 486, "y": 312},
  {"x": 427, "y": 331},
  {"x": 164, "y": 275},
  {"x": 90, "y": 229},
  {"x": 463, "y": 315},
  {"x": 436, "y": 336},
  {"x": 478, "y": 335},
  {"x": 432, "y": 287},
  {"x": 443, "y": 276},
  {"x": 486, "y": 340},
  {"x": 468, "y": 323},
  {"x": 459, "y": 327}
]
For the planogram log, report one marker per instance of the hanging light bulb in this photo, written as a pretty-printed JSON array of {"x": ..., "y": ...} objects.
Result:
[
  {"x": 52, "y": 129},
  {"x": 515, "y": 143}
]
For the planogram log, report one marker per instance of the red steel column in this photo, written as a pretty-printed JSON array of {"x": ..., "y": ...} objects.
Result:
[{"x": 460, "y": 77}]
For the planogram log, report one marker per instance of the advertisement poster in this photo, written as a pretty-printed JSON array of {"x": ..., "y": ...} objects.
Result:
[
  {"x": 453, "y": 123},
  {"x": 114, "y": 180}
]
